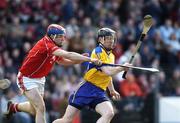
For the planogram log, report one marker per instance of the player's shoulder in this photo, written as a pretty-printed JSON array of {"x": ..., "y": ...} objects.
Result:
[
  {"x": 46, "y": 39},
  {"x": 47, "y": 42},
  {"x": 41, "y": 44},
  {"x": 98, "y": 50}
]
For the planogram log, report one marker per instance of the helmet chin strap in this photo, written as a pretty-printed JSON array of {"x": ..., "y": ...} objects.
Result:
[{"x": 54, "y": 37}]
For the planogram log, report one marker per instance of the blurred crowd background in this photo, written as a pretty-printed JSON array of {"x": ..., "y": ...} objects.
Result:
[{"x": 24, "y": 22}]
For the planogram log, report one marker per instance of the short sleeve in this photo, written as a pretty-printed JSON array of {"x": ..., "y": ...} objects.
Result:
[
  {"x": 97, "y": 53},
  {"x": 59, "y": 59}
]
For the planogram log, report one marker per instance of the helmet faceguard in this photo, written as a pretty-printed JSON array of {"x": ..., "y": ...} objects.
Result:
[{"x": 107, "y": 32}]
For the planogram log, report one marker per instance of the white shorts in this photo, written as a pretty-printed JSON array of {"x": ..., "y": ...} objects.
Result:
[{"x": 25, "y": 83}]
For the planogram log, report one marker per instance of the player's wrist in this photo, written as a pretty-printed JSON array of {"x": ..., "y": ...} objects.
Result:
[
  {"x": 111, "y": 89},
  {"x": 89, "y": 59}
]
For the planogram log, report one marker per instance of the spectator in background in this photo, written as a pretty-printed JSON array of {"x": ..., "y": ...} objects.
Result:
[
  {"x": 166, "y": 30},
  {"x": 176, "y": 81},
  {"x": 177, "y": 30},
  {"x": 89, "y": 42},
  {"x": 76, "y": 43},
  {"x": 72, "y": 27},
  {"x": 130, "y": 87},
  {"x": 129, "y": 31},
  {"x": 126, "y": 55},
  {"x": 174, "y": 43},
  {"x": 147, "y": 55},
  {"x": 153, "y": 7},
  {"x": 163, "y": 85},
  {"x": 157, "y": 42},
  {"x": 167, "y": 60},
  {"x": 86, "y": 27},
  {"x": 9, "y": 69},
  {"x": 132, "y": 93}
]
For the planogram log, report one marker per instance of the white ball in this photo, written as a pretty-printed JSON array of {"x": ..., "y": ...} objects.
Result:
[{"x": 4, "y": 83}]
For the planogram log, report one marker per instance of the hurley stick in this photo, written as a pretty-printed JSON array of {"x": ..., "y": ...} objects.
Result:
[{"x": 147, "y": 23}]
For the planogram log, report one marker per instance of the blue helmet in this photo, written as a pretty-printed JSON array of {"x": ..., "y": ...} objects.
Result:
[{"x": 55, "y": 29}]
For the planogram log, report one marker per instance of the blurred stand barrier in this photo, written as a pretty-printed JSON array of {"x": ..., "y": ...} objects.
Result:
[{"x": 169, "y": 110}]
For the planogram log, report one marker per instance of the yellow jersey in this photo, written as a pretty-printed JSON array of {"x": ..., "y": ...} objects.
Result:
[{"x": 94, "y": 74}]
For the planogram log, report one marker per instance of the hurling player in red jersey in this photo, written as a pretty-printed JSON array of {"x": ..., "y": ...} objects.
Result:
[{"x": 37, "y": 65}]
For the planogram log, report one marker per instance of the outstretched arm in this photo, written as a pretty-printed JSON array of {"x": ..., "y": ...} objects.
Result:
[
  {"x": 112, "y": 70},
  {"x": 74, "y": 56},
  {"x": 67, "y": 62},
  {"x": 109, "y": 70},
  {"x": 71, "y": 55}
]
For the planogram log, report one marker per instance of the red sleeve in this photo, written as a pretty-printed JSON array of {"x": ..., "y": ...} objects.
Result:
[{"x": 59, "y": 59}]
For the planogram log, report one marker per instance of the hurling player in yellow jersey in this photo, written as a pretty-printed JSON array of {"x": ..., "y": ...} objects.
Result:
[{"x": 92, "y": 92}]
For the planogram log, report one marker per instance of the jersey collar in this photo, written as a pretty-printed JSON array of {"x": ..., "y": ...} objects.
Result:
[
  {"x": 107, "y": 52},
  {"x": 49, "y": 39}
]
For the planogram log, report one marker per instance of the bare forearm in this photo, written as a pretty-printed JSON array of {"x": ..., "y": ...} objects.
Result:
[
  {"x": 71, "y": 56},
  {"x": 76, "y": 62},
  {"x": 77, "y": 57},
  {"x": 111, "y": 86},
  {"x": 111, "y": 70},
  {"x": 67, "y": 62}
]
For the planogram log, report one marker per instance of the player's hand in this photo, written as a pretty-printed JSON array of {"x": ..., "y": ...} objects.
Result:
[
  {"x": 115, "y": 95},
  {"x": 96, "y": 61},
  {"x": 127, "y": 64}
]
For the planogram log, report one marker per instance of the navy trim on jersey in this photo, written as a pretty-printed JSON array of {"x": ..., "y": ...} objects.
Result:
[{"x": 98, "y": 50}]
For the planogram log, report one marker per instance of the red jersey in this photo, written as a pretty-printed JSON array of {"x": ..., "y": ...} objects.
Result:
[{"x": 40, "y": 60}]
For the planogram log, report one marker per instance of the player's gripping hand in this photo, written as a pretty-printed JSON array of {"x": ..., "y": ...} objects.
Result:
[
  {"x": 96, "y": 61},
  {"x": 115, "y": 95},
  {"x": 127, "y": 64}
]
